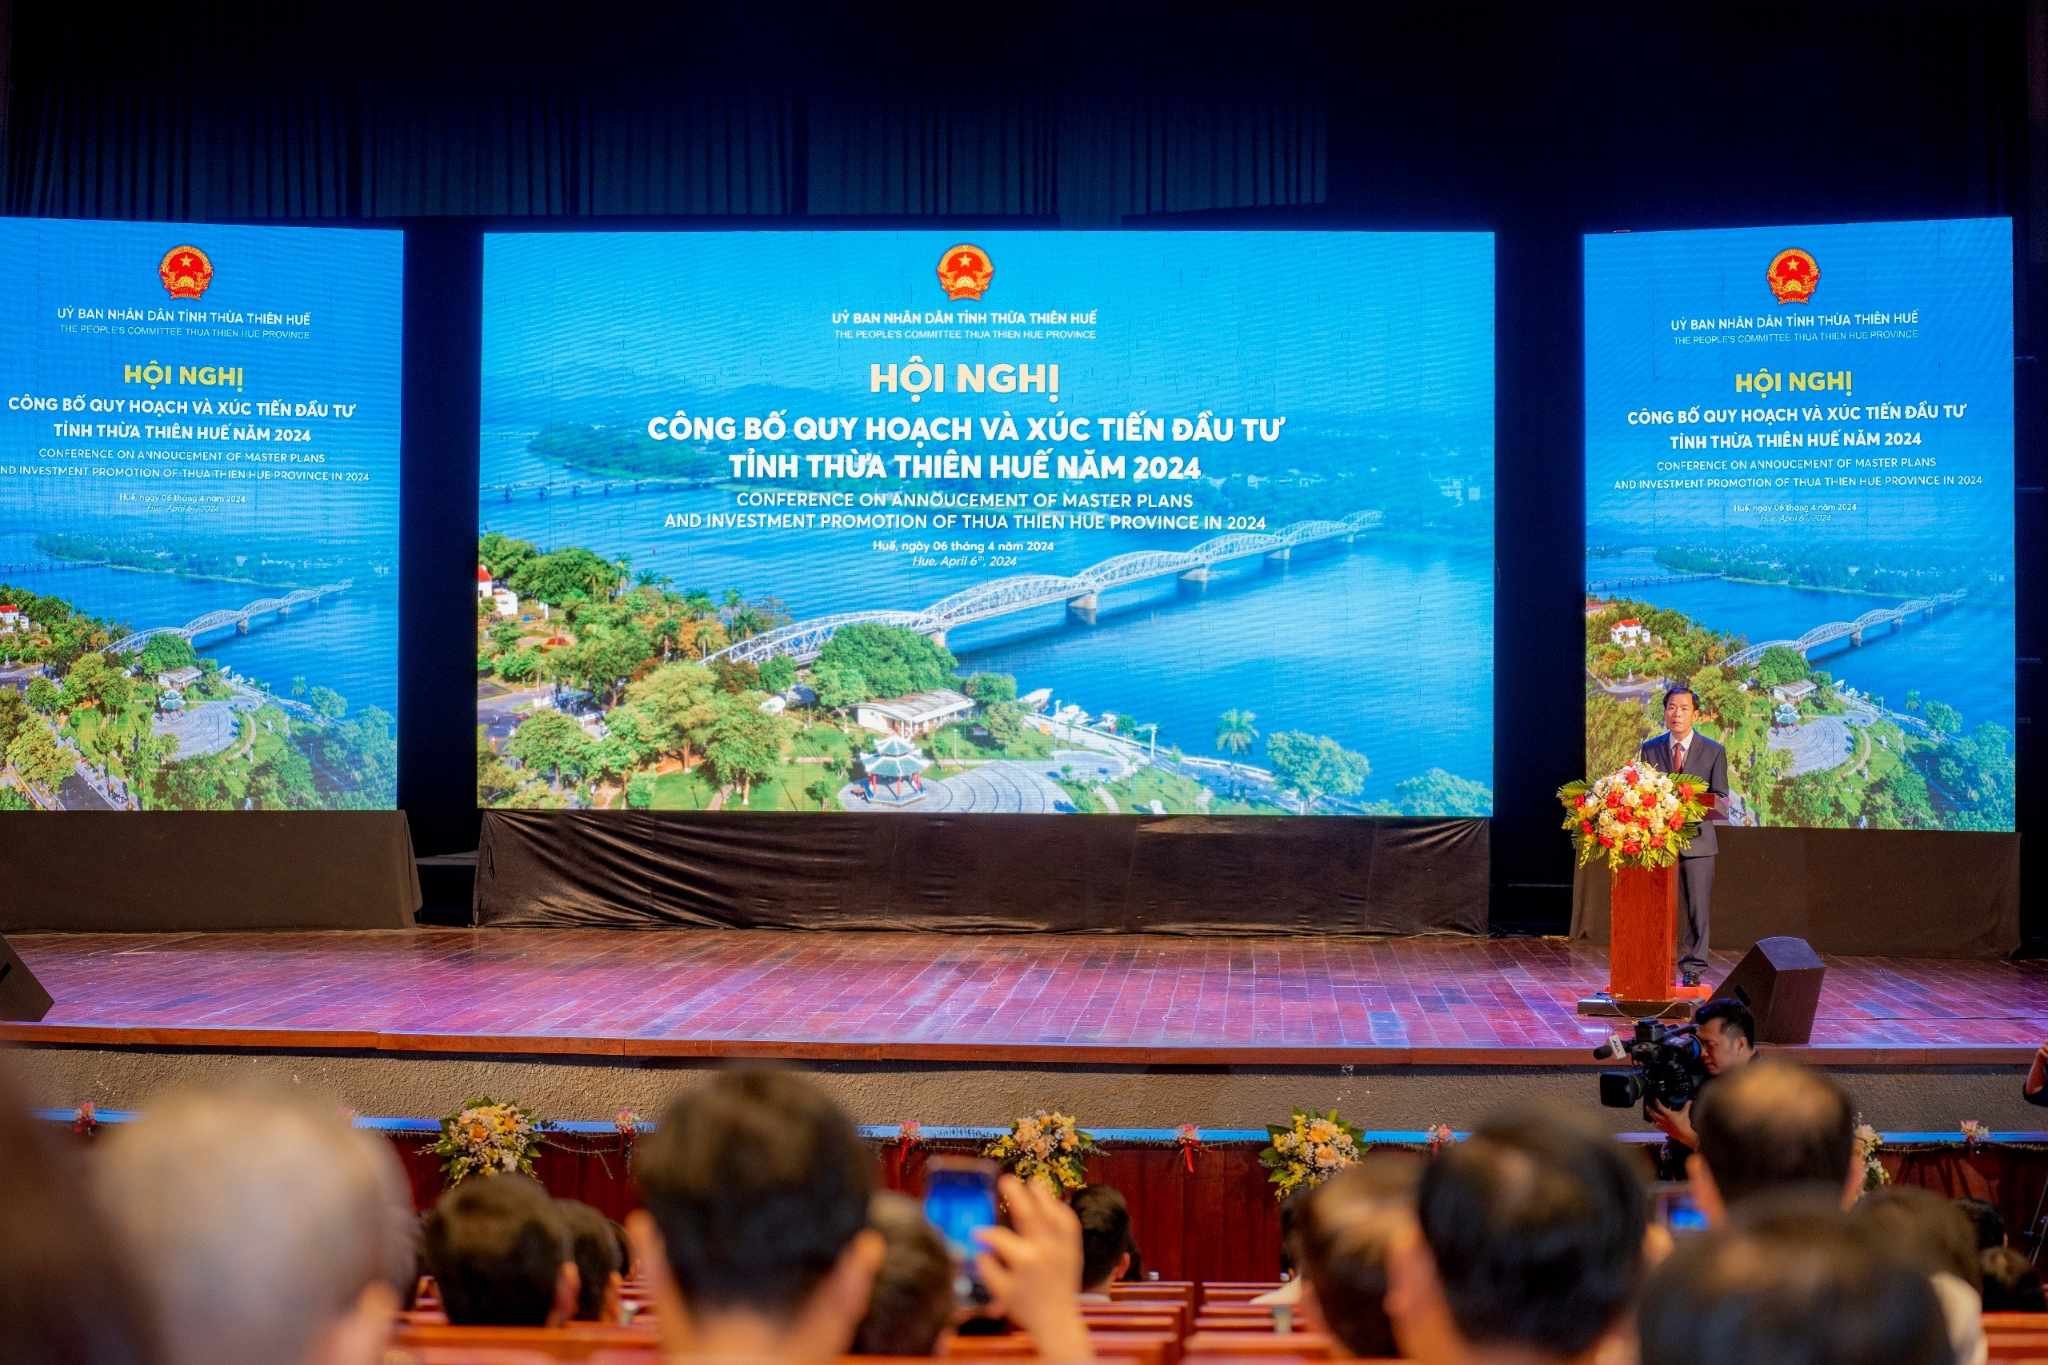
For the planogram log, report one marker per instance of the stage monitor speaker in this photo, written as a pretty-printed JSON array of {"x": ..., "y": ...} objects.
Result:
[
  {"x": 22, "y": 997},
  {"x": 1779, "y": 979}
]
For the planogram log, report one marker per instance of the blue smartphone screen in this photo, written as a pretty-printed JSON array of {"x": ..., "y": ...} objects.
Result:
[
  {"x": 958, "y": 1202},
  {"x": 1682, "y": 1215}
]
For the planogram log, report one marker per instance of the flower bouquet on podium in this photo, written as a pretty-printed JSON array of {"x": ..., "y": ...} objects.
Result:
[
  {"x": 1635, "y": 817},
  {"x": 1637, "y": 820}
]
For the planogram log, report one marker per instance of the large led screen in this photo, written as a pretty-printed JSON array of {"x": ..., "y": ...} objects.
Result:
[
  {"x": 198, "y": 517},
  {"x": 1044, "y": 522},
  {"x": 1799, "y": 503}
]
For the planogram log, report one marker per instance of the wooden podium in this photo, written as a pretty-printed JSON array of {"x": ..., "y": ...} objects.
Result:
[{"x": 1642, "y": 948}]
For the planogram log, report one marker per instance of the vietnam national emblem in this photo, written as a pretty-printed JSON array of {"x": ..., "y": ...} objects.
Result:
[
  {"x": 1793, "y": 275},
  {"x": 185, "y": 271},
  {"x": 964, "y": 271}
]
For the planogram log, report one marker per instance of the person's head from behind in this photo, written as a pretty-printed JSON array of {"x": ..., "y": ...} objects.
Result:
[
  {"x": 755, "y": 1225},
  {"x": 1290, "y": 1229},
  {"x": 912, "y": 1302},
  {"x": 1931, "y": 1229},
  {"x": 1531, "y": 1243},
  {"x": 1985, "y": 1220},
  {"x": 69, "y": 1291},
  {"x": 269, "y": 1228},
  {"x": 1792, "y": 1280},
  {"x": 1772, "y": 1126},
  {"x": 1727, "y": 1034},
  {"x": 1105, "y": 1237},
  {"x": 600, "y": 1267},
  {"x": 1344, "y": 1232},
  {"x": 501, "y": 1254},
  {"x": 2011, "y": 1284}
]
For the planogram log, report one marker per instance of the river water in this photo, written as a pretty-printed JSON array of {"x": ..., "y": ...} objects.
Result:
[
  {"x": 349, "y": 642},
  {"x": 1963, "y": 655}
]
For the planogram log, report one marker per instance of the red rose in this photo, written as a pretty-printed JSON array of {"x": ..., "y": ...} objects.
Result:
[
  {"x": 1656, "y": 841},
  {"x": 1631, "y": 847},
  {"x": 1606, "y": 842},
  {"x": 1586, "y": 825},
  {"x": 1614, "y": 800}
]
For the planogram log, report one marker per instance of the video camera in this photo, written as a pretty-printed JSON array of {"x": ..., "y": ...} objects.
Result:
[{"x": 1665, "y": 1067}]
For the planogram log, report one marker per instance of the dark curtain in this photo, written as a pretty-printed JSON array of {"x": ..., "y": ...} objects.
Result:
[
  {"x": 1904, "y": 893},
  {"x": 983, "y": 873},
  {"x": 961, "y": 157},
  {"x": 485, "y": 120}
]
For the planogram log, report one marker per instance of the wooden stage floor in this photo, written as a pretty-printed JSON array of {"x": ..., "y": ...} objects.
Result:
[{"x": 928, "y": 997}]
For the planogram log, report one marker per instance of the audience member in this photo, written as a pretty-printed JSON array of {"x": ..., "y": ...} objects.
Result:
[
  {"x": 1936, "y": 1236},
  {"x": 1530, "y": 1247},
  {"x": 1986, "y": 1220},
  {"x": 1345, "y": 1232},
  {"x": 1773, "y": 1126},
  {"x": 755, "y": 1230},
  {"x": 1791, "y": 1281},
  {"x": 1727, "y": 1033},
  {"x": 268, "y": 1228},
  {"x": 1929, "y": 1227},
  {"x": 1289, "y": 1291},
  {"x": 912, "y": 1303},
  {"x": 756, "y": 1234},
  {"x": 1105, "y": 1240},
  {"x": 2011, "y": 1284},
  {"x": 600, "y": 1269},
  {"x": 501, "y": 1255},
  {"x": 68, "y": 1293}
]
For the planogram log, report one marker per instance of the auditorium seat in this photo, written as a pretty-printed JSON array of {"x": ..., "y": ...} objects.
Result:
[
  {"x": 1144, "y": 1348},
  {"x": 578, "y": 1341},
  {"x": 1220, "y": 1322},
  {"x": 1208, "y": 1346},
  {"x": 470, "y": 1355},
  {"x": 1156, "y": 1291},
  {"x": 2007, "y": 1346},
  {"x": 1112, "y": 1321},
  {"x": 1236, "y": 1291}
]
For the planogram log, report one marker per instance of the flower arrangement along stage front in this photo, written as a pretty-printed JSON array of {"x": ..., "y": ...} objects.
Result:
[
  {"x": 1309, "y": 1150},
  {"x": 486, "y": 1137},
  {"x": 1634, "y": 816},
  {"x": 1048, "y": 1146}
]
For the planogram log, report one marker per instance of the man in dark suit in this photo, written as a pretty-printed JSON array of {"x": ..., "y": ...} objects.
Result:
[{"x": 1681, "y": 749}]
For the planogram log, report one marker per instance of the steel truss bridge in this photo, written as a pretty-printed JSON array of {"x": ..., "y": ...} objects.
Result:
[
  {"x": 1647, "y": 581},
  {"x": 1895, "y": 617},
  {"x": 595, "y": 488},
  {"x": 803, "y": 641},
  {"x": 236, "y": 618}
]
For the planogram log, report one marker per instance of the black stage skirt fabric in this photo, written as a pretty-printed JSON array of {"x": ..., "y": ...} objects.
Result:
[{"x": 984, "y": 873}]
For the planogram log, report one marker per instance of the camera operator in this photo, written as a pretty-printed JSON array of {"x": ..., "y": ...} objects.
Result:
[
  {"x": 1727, "y": 1034},
  {"x": 2035, "y": 1091}
]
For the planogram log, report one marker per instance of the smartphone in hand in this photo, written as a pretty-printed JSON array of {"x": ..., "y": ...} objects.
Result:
[{"x": 959, "y": 1197}]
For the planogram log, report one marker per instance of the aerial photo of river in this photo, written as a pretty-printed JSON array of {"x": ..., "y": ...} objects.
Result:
[{"x": 1386, "y": 647}]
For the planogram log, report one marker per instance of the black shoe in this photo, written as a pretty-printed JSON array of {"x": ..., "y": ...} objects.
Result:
[{"x": 1689, "y": 978}]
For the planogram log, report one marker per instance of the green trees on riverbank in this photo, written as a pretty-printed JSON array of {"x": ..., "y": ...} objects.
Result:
[{"x": 1891, "y": 776}]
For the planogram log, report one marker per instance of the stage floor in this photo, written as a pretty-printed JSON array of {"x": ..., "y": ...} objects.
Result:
[{"x": 931, "y": 997}]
